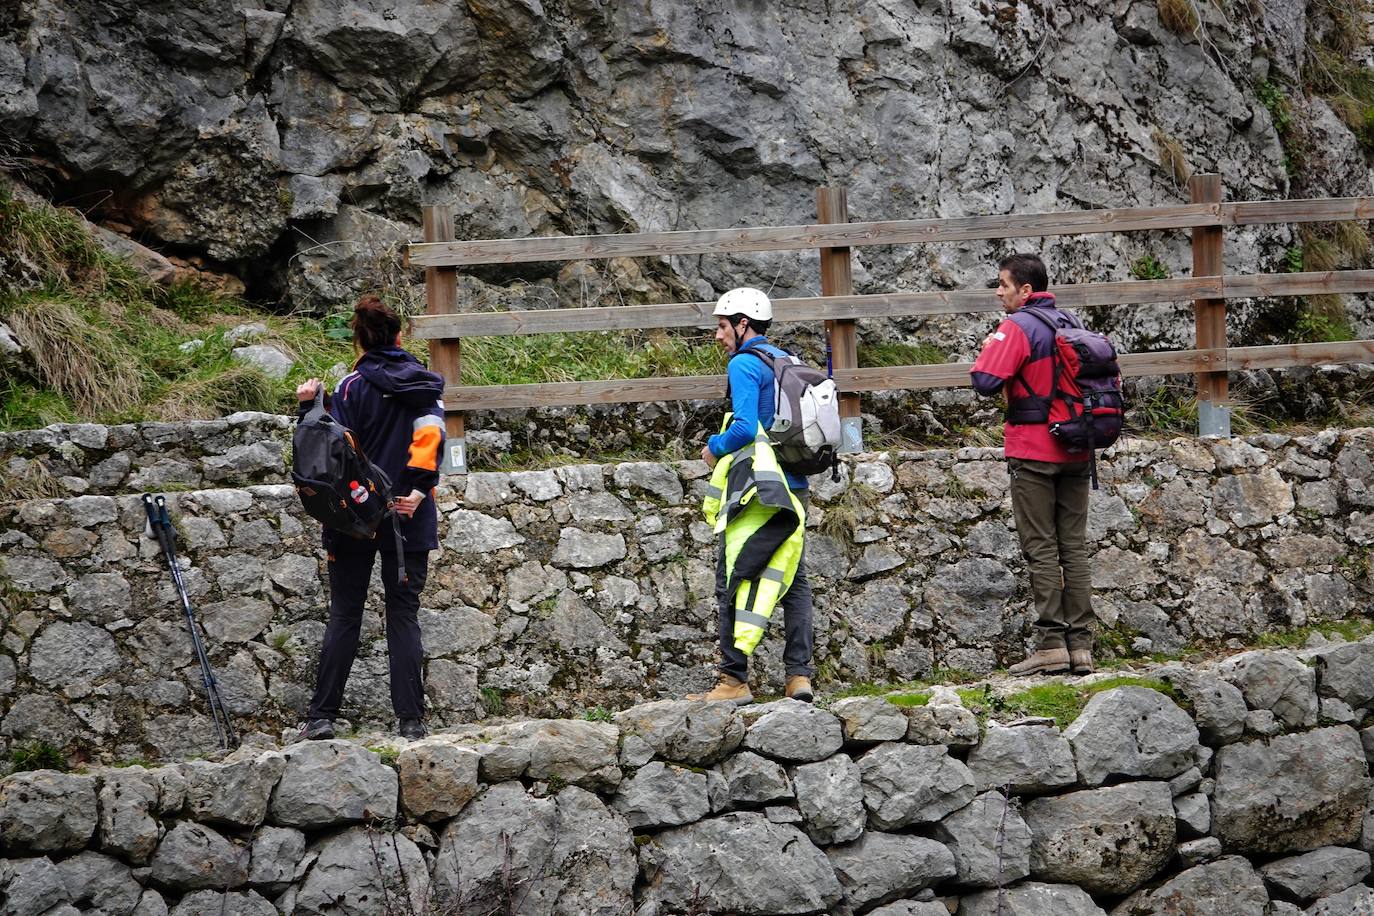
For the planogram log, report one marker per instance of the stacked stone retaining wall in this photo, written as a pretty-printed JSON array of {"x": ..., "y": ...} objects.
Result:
[
  {"x": 562, "y": 590},
  {"x": 1238, "y": 791}
]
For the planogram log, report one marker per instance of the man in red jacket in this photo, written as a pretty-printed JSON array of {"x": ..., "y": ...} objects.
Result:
[{"x": 1049, "y": 484}]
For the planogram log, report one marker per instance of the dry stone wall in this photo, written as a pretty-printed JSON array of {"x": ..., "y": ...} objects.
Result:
[
  {"x": 586, "y": 586},
  {"x": 1239, "y": 790}
]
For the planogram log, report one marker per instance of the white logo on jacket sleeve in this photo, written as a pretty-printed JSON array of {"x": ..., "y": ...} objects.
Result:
[{"x": 998, "y": 335}]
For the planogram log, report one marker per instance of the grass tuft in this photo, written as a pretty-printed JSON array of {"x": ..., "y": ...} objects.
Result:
[
  {"x": 37, "y": 755},
  {"x": 1179, "y": 16}
]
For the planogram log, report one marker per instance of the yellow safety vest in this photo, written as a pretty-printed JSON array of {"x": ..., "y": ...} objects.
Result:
[{"x": 764, "y": 523}]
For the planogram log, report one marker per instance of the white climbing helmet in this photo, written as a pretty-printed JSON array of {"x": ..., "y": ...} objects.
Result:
[{"x": 747, "y": 301}]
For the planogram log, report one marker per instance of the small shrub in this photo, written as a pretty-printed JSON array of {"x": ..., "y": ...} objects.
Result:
[
  {"x": 1179, "y": 16},
  {"x": 493, "y": 703},
  {"x": 1146, "y": 267},
  {"x": 37, "y": 755},
  {"x": 599, "y": 714}
]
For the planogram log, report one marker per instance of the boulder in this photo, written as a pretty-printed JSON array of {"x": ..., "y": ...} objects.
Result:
[
  {"x": 329, "y": 783},
  {"x": 1319, "y": 873},
  {"x": 1132, "y": 731},
  {"x": 1343, "y": 672},
  {"x": 92, "y": 879},
  {"x": 942, "y": 723},
  {"x": 234, "y": 793},
  {"x": 561, "y": 854},
  {"x": 754, "y": 780},
  {"x": 437, "y": 778},
  {"x": 31, "y": 886},
  {"x": 698, "y": 867},
  {"x": 867, "y": 719},
  {"x": 1218, "y": 706},
  {"x": 684, "y": 731},
  {"x": 662, "y": 795},
  {"x": 830, "y": 797},
  {"x": 221, "y": 903},
  {"x": 1293, "y": 793},
  {"x": 1276, "y": 681},
  {"x": 46, "y": 811},
  {"x": 577, "y": 752},
  {"x": 193, "y": 857},
  {"x": 880, "y": 867},
  {"x": 990, "y": 841},
  {"x": 913, "y": 784},
  {"x": 128, "y": 801},
  {"x": 792, "y": 731},
  {"x": 1024, "y": 759},
  {"x": 355, "y": 870},
  {"x": 273, "y": 858},
  {"x": 1356, "y": 901},
  {"x": 1107, "y": 841},
  {"x": 1226, "y": 887},
  {"x": 1030, "y": 898}
]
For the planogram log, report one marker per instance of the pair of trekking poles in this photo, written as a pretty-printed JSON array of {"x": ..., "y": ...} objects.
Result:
[{"x": 160, "y": 525}]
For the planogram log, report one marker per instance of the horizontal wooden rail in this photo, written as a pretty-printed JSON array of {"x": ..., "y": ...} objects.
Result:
[
  {"x": 886, "y": 378},
  {"x": 890, "y": 232},
  {"x": 886, "y": 305}
]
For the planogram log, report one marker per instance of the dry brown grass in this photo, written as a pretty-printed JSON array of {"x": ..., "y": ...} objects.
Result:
[
  {"x": 1179, "y": 16},
  {"x": 76, "y": 357},
  {"x": 238, "y": 387},
  {"x": 1172, "y": 158}
]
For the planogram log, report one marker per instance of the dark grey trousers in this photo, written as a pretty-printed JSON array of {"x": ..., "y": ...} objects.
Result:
[
  {"x": 797, "y": 612},
  {"x": 1050, "y": 503}
]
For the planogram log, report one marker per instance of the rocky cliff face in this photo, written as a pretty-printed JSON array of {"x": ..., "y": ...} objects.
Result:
[{"x": 293, "y": 142}]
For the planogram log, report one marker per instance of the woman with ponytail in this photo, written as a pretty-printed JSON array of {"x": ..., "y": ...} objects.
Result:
[{"x": 391, "y": 402}]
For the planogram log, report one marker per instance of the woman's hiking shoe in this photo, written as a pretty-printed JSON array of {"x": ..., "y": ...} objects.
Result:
[
  {"x": 799, "y": 688},
  {"x": 1042, "y": 661},
  {"x": 1081, "y": 661},
  {"x": 413, "y": 729},
  {"x": 727, "y": 689},
  {"x": 317, "y": 730}
]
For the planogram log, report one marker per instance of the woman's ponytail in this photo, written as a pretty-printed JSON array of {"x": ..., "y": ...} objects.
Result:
[{"x": 375, "y": 325}]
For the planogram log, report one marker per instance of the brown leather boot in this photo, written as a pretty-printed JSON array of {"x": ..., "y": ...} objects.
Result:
[
  {"x": 1081, "y": 661},
  {"x": 1042, "y": 661},
  {"x": 728, "y": 689},
  {"x": 799, "y": 688}
]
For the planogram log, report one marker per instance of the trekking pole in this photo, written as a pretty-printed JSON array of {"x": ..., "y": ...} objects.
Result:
[{"x": 161, "y": 525}]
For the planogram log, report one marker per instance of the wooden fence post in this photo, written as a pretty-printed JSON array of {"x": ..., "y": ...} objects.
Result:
[
  {"x": 1214, "y": 416},
  {"x": 441, "y": 297},
  {"x": 832, "y": 206}
]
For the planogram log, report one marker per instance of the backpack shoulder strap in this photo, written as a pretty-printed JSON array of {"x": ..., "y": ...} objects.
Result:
[{"x": 754, "y": 351}]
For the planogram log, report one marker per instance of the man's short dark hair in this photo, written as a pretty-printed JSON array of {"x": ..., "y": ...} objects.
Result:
[
  {"x": 760, "y": 327},
  {"x": 1026, "y": 268}
]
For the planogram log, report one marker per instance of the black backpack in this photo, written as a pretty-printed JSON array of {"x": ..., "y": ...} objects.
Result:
[{"x": 338, "y": 486}]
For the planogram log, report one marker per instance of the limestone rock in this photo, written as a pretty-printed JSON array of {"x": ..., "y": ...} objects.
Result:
[
  {"x": 990, "y": 841},
  {"x": 1030, "y": 898},
  {"x": 830, "y": 796},
  {"x": 1194, "y": 814},
  {"x": 437, "y": 778},
  {"x": 1226, "y": 887},
  {"x": 580, "y": 549},
  {"x": 219, "y": 903},
  {"x": 1343, "y": 672},
  {"x": 1218, "y": 705},
  {"x": 1107, "y": 841},
  {"x": 792, "y": 731},
  {"x": 1319, "y": 873},
  {"x": 96, "y": 880},
  {"x": 942, "y": 723},
  {"x": 1132, "y": 731},
  {"x": 32, "y": 886},
  {"x": 359, "y": 867},
  {"x": 751, "y": 779},
  {"x": 577, "y": 752},
  {"x": 1027, "y": 759},
  {"x": 128, "y": 800},
  {"x": 1293, "y": 793},
  {"x": 913, "y": 784},
  {"x": 273, "y": 858},
  {"x": 329, "y": 783},
  {"x": 193, "y": 857},
  {"x": 699, "y": 865},
  {"x": 1275, "y": 681},
  {"x": 44, "y": 811},
  {"x": 682, "y": 731},
  {"x": 870, "y": 719},
  {"x": 662, "y": 795},
  {"x": 880, "y": 867},
  {"x": 566, "y": 854},
  {"x": 272, "y": 361},
  {"x": 1356, "y": 901},
  {"x": 234, "y": 793},
  {"x": 660, "y": 480}
]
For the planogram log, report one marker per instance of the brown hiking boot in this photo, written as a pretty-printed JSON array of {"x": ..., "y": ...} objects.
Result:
[
  {"x": 799, "y": 688},
  {"x": 728, "y": 689},
  {"x": 1042, "y": 661},
  {"x": 1081, "y": 661}
]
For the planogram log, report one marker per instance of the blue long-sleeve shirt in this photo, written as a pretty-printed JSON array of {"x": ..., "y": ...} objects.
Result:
[{"x": 751, "y": 402}]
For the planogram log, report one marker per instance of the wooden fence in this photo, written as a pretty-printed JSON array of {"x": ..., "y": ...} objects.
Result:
[{"x": 1207, "y": 217}]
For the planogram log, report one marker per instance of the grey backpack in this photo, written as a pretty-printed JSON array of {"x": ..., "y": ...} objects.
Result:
[{"x": 806, "y": 421}]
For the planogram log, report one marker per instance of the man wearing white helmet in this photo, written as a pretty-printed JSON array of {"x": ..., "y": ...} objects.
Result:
[{"x": 742, "y": 319}]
